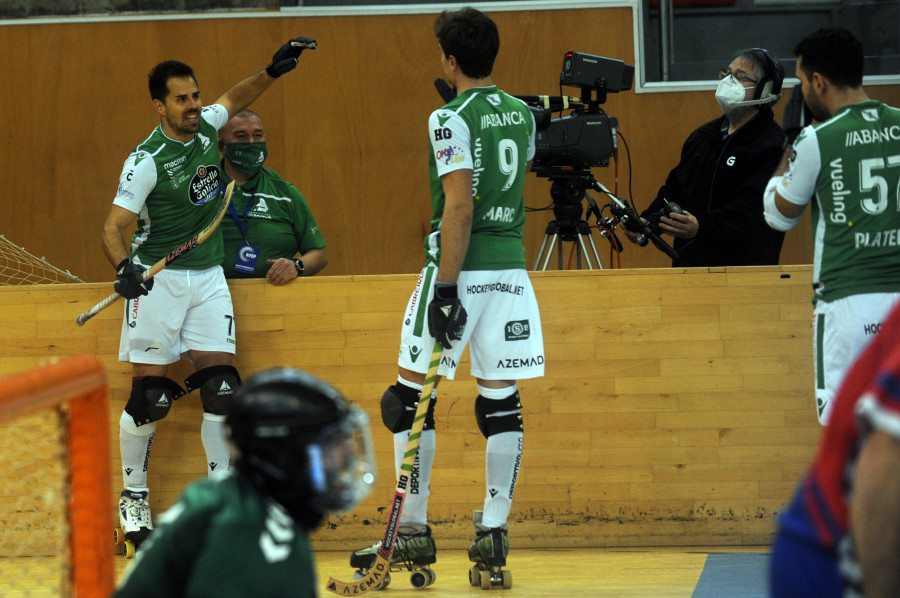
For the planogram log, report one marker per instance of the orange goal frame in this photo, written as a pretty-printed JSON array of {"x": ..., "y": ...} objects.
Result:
[{"x": 82, "y": 383}]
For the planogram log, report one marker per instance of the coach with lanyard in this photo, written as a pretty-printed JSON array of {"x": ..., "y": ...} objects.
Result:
[{"x": 269, "y": 232}]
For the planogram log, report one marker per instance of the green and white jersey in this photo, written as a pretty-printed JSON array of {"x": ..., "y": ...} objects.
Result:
[
  {"x": 270, "y": 214},
  {"x": 851, "y": 164},
  {"x": 222, "y": 539},
  {"x": 492, "y": 134},
  {"x": 175, "y": 188}
]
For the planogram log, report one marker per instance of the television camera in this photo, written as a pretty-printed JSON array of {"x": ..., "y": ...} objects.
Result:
[{"x": 566, "y": 148}]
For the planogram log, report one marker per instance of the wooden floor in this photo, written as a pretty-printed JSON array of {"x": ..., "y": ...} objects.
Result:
[
  {"x": 542, "y": 573},
  {"x": 537, "y": 573}
]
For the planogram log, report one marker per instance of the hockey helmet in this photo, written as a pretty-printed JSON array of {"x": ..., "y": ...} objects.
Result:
[{"x": 298, "y": 440}]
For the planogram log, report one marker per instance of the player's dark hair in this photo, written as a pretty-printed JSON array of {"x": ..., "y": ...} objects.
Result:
[
  {"x": 835, "y": 53},
  {"x": 160, "y": 74},
  {"x": 472, "y": 37}
]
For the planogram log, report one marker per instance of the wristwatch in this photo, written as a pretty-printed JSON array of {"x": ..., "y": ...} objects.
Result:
[{"x": 298, "y": 263}]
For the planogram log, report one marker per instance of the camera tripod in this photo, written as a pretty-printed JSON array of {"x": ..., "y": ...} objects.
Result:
[{"x": 568, "y": 226}]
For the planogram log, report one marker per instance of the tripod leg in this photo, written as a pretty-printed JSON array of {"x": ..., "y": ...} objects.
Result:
[
  {"x": 537, "y": 262},
  {"x": 559, "y": 253},
  {"x": 596, "y": 255},
  {"x": 587, "y": 257},
  {"x": 549, "y": 251}
]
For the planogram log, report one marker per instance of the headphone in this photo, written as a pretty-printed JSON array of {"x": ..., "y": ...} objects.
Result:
[{"x": 769, "y": 86}]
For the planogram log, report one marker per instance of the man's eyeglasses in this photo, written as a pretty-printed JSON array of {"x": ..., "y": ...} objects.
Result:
[{"x": 740, "y": 76}]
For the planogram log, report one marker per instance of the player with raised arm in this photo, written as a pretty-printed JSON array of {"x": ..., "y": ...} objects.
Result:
[
  {"x": 171, "y": 184},
  {"x": 473, "y": 290}
]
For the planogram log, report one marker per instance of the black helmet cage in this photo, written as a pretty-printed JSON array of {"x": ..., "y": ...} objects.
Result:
[{"x": 297, "y": 440}]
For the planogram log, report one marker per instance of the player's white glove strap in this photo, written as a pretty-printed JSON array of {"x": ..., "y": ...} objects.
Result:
[{"x": 774, "y": 217}]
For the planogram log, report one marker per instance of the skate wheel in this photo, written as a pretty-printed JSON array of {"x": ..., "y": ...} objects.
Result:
[
  {"x": 118, "y": 536},
  {"x": 485, "y": 579},
  {"x": 418, "y": 579},
  {"x": 474, "y": 579},
  {"x": 130, "y": 549},
  {"x": 432, "y": 576},
  {"x": 384, "y": 582},
  {"x": 506, "y": 577}
]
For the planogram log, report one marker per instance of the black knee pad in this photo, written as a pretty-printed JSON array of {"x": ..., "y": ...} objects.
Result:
[
  {"x": 398, "y": 409},
  {"x": 511, "y": 422},
  {"x": 151, "y": 398},
  {"x": 217, "y": 385}
]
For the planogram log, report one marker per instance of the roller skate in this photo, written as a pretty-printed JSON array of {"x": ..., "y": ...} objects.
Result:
[
  {"x": 414, "y": 552},
  {"x": 488, "y": 552},
  {"x": 134, "y": 521}
]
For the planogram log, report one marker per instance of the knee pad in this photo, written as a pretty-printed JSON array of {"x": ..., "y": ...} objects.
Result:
[
  {"x": 490, "y": 425},
  {"x": 398, "y": 409},
  {"x": 217, "y": 385},
  {"x": 151, "y": 398}
]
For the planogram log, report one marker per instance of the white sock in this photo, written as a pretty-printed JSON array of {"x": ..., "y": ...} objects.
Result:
[
  {"x": 134, "y": 446},
  {"x": 503, "y": 457},
  {"x": 415, "y": 505},
  {"x": 212, "y": 433}
]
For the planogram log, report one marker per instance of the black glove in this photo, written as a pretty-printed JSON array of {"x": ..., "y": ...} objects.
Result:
[
  {"x": 285, "y": 59},
  {"x": 130, "y": 280},
  {"x": 446, "y": 315}
]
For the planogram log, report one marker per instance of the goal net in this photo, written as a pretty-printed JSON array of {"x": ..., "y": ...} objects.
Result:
[
  {"x": 55, "y": 488},
  {"x": 18, "y": 267}
]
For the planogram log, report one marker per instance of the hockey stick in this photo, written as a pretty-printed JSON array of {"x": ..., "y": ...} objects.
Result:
[
  {"x": 176, "y": 253},
  {"x": 381, "y": 566}
]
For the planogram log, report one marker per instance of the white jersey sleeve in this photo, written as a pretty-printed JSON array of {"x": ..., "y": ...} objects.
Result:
[
  {"x": 137, "y": 180},
  {"x": 798, "y": 185},
  {"x": 451, "y": 142},
  {"x": 216, "y": 115}
]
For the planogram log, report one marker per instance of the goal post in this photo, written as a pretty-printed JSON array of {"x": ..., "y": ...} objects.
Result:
[{"x": 77, "y": 389}]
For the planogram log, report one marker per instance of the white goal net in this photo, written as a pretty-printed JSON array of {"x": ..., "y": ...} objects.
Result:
[{"x": 19, "y": 267}]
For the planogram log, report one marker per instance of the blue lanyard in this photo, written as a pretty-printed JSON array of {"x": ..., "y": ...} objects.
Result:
[{"x": 243, "y": 225}]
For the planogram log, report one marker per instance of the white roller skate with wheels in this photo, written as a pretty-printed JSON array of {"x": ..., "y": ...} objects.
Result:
[
  {"x": 414, "y": 551},
  {"x": 488, "y": 552},
  {"x": 134, "y": 521}
]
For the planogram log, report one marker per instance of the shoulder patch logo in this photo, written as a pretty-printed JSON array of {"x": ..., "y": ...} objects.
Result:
[
  {"x": 493, "y": 98},
  {"x": 443, "y": 118}
]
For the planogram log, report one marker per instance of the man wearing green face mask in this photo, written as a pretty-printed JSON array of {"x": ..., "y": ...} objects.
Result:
[{"x": 270, "y": 231}]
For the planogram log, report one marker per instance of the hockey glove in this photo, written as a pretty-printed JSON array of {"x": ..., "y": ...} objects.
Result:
[
  {"x": 285, "y": 59},
  {"x": 130, "y": 280},
  {"x": 446, "y": 315}
]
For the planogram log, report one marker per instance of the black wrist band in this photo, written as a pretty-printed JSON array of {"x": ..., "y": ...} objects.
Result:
[{"x": 298, "y": 263}]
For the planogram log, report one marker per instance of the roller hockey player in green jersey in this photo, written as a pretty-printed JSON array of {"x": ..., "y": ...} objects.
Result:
[
  {"x": 171, "y": 187},
  {"x": 482, "y": 144},
  {"x": 300, "y": 452},
  {"x": 847, "y": 168}
]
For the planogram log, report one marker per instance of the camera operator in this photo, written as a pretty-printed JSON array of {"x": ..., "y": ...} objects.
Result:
[{"x": 724, "y": 168}]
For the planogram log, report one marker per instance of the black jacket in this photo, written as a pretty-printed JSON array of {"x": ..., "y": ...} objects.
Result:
[{"x": 721, "y": 181}]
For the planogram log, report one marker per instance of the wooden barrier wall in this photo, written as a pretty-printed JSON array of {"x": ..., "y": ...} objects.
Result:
[
  {"x": 347, "y": 127},
  {"x": 677, "y": 406}
]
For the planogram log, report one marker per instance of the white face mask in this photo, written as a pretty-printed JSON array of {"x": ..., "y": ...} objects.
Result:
[{"x": 730, "y": 94}]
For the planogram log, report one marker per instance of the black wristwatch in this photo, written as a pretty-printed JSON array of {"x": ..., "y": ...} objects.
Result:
[{"x": 298, "y": 263}]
